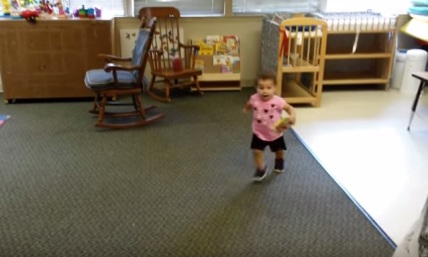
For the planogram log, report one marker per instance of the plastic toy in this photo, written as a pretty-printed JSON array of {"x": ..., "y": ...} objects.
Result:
[
  {"x": 30, "y": 15},
  {"x": 282, "y": 122},
  {"x": 6, "y": 7}
]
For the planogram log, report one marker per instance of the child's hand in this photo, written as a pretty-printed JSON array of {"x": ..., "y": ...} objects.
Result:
[
  {"x": 246, "y": 108},
  {"x": 282, "y": 124},
  {"x": 282, "y": 128},
  {"x": 292, "y": 120}
]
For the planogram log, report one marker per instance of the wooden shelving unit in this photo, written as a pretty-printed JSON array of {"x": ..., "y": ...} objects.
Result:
[
  {"x": 359, "y": 50},
  {"x": 221, "y": 48},
  {"x": 49, "y": 59},
  {"x": 301, "y": 55},
  {"x": 359, "y": 57}
]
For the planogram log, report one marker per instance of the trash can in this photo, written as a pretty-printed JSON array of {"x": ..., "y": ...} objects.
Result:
[
  {"x": 397, "y": 74},
  {"x": 416, "y": 60}
]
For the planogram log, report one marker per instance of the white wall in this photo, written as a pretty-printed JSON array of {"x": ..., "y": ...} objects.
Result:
[{"x": 384, "y": 6}]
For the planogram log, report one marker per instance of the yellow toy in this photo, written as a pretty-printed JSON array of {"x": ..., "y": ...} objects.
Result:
[
  {"x": 283, "y": 121},
  {"x": 6, "y": 7}
]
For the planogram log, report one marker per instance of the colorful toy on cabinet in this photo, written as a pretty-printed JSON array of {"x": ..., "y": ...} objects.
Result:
[
  {"x": 6, "y": 7},
  {"x": 45, "y": 7},
  {"x": 30, "y": 15},
  {"x": 82, "y": 12},
  {"x": 60, "y": 6},
  {"x": 16, "y": 5},
  {"x": 91, "y": 13},
  {"x": 11, "y": 8}
]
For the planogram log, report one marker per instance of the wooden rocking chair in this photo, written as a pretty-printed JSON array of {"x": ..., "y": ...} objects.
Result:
[
  {"x": 170, "y": 60},
  {"x": 117, "y": 80}
]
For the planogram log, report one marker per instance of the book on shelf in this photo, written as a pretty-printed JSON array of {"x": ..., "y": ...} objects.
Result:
[
  {"x": 212, "y": 39},
  {"x": 232, "y": 44},
  {"x": 199, "y": 64},
  {"x": 218, "y": 45},
  {"x": 204, "y": 48}
]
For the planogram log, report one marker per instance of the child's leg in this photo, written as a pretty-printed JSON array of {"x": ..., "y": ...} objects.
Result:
[
  {"x": 261, "y": 170},
  {"x": 279, "y": 161},
  {"x": 258, "y": 159},
  {"x": 258, "y": 147},
  {"x": 279, "y": 154},
  {"x": 278, "y": 147}
]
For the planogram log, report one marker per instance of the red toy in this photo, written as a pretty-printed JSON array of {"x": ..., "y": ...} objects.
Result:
[{"x": 30, "y": 15}]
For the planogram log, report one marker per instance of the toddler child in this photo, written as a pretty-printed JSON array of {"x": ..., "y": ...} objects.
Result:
[{"x": 268, "y": 128}]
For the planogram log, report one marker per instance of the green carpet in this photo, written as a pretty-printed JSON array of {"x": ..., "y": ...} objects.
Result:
[{"x": 180, "y": 187}]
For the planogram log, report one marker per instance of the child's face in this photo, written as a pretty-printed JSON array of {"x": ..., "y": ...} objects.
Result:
[{"x": 266, "y": 89}]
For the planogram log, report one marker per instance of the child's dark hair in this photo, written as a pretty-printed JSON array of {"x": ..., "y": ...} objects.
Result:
[{"x": 266, "y": 75}]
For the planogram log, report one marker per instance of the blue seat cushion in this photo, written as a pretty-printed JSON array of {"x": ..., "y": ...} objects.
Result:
[{"x": 99, "y": 79}]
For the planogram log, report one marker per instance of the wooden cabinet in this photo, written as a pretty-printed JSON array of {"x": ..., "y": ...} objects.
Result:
[
  {"x": 49, "y": 59},
  {"x": 359, "y": 50},
  {"x": 358, "y": 58}
]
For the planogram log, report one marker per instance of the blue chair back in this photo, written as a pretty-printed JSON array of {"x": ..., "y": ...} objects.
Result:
[{"x": 140, "y": 49}]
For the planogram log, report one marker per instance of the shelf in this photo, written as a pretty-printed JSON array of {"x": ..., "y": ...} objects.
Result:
[
  {"x": 304, "y": 34},
  {"x": 352, "y": 78},
  {"x": 349, "y": 46},
  {"x": 336, "y": 56},
  {"x": 299, "y": 65},
  {"x": 220, "y": 85},
  {"x": 361, "y": 31},
  {"x": 220, "y": 77},
  {"x": 220, "y": 81},
  {"x": 294, "y": 93}
]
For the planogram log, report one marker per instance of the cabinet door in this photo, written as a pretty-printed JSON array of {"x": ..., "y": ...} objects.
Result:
[
  {"x": 98, "y": 40},
  {"x": 50, "y": 58}
]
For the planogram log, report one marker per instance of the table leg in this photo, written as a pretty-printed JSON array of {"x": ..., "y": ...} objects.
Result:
[{"x": 415, "y": 102}]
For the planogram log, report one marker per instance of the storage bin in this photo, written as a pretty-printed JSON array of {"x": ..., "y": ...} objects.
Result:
[
  {"x": 416, "y": 60},
  {"x": 397, "y": 75}
]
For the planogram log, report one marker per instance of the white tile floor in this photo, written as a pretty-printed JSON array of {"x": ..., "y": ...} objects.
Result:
[{"x": 361, "y": 139}]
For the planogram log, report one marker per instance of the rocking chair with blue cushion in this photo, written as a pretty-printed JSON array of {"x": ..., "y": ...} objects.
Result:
[{"x": 123, "y": 80}]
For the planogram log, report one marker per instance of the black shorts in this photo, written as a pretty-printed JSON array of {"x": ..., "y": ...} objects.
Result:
[{"x": 275, "y": 145}]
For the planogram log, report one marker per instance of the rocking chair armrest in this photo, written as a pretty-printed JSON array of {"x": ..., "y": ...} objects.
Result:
[
  {"x": 157, "y": 52},
  {"x": 110, "y": 58},
  {"x": 116, "y": 67},
  {"x": 195, "y": 47}
]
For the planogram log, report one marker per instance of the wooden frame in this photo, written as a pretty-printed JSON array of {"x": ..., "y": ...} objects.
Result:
[{"x": 302, "y": 47}]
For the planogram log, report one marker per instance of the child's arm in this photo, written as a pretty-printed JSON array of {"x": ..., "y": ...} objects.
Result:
[
  {"x": 291, "y": 113},
  {"x": 285, "y": 121},
  {"x": 247, "y": 107}
]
